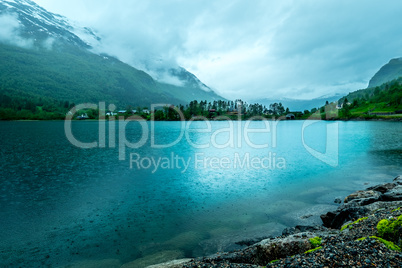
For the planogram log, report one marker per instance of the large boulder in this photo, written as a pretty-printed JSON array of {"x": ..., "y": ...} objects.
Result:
[
  {"x": 343, "y": 214},
  {"x": 270, "y": 249},
  {"x": 301, "y": 229},
  {"x": 383, "y": 205},
  {"x": 363, "y": 197},
  {"x": 394, "y": 194},
  {"x": 360, "y": 203},
  {"x": 382, "y": 188},
  {"x": 273, "y": 249},
  {"x": 398, "y": 180}
]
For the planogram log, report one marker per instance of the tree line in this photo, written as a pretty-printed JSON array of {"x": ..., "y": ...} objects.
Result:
[
  {"x": 32, "y": 108},
  {"x": 387, "y": 98},
  {"x": 219, "y": 109}
]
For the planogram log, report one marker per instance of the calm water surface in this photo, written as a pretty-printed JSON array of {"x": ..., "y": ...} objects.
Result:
[{"x": 61, "y": 204}]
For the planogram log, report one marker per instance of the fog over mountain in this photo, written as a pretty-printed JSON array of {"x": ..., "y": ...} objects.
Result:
[
  {"x": 272, "y": 49},
  {"x": 46, "y": 55}
]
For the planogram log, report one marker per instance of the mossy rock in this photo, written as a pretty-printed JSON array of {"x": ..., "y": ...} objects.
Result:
[
  {"x": 390, "y": 229},
  {"x": 312, "y": 250},
  {"x": 387, "y": 243},
  {"x": 315, "y": 242}
]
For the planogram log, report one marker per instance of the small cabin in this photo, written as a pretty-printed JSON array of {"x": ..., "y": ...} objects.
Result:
[
  {"x": 83, "y": 117},
  {"x": 290, "y": 117}
]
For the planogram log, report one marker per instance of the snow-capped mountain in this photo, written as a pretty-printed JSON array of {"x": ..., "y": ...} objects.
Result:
[
  {"x": 40, "y": 27},
  {"x": 46, "y": 55},
  {"x": 38, "y": 24}
]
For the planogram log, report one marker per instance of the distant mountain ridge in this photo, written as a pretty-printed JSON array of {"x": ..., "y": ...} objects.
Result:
[
  {"x": 382, "y": 98},
  {"x": 299, "y": 105},
  {"x": 385, "y": 77},
  {"x": 47, "y": 55},
  {"x": 390, "y": 71}
]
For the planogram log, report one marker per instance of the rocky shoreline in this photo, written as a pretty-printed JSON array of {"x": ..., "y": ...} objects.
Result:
[{"x": 365, "y": 231}]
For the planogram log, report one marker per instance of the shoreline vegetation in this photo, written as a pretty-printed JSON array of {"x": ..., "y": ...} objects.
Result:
[
  {"x": 379, "y": 103},
  {"x": 365, "y": 230},
  {"x": 378, "y": 118},
  {"x": 201, "y": 111}
]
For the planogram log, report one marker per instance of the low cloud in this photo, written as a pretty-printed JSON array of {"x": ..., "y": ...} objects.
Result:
[
  {"x": 48, "y": 43},
  {"x": 163, "y": 76},
  {"x": 272, "y": 49},
  {"x": 10, "y": 31}
]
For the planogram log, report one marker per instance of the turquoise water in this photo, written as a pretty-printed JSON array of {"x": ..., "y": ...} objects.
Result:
[{"x": 61, "y": 204}]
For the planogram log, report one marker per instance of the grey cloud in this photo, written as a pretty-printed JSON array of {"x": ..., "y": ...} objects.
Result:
[{"x": 297, "y": 49}]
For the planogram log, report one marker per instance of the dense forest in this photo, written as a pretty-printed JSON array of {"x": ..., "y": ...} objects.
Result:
[
  {"x": 76, "y": 75},
  {"x": 32, "y": 108}
]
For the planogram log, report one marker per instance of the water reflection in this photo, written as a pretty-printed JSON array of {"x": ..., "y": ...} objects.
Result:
[{"x": 74, "y": 204}]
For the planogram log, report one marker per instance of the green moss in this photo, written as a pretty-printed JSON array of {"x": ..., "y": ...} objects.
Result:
[
  {"x": 350, "y": 225},
  {"x": 396, "y": 209},
  {"x": 388, "y": 244},
  {"x": 345, "y": 226},
  {"x": 361, "y": 239},
  {"x": 312, "y": 250},
  {"x": 388, "y": 229},
  {"x": 273, "y": 261},
  {"x": 382, "y": 227},
  {"x": 315, "y": 242}
]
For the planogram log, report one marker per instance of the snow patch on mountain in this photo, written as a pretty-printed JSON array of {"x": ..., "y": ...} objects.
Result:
[
  {"x": 36, "y": 19},
  {"x": 26, "y": 24}
]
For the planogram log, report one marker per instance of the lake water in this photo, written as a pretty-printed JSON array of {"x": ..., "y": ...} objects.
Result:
[{"x": 62, "y": 205}]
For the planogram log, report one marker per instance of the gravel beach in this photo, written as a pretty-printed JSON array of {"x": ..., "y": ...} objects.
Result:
[{"x": 351, "y": 236}]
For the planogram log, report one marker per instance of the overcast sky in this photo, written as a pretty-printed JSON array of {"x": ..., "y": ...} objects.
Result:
[{"x": 250, "y": 49}]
